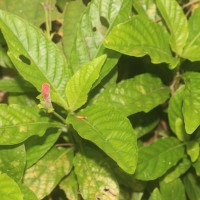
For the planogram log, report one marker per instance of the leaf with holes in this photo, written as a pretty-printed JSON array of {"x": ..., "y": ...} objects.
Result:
[
  {"x": 96, "y": 22},
  {"x": 110, "y": 131},
  {"x": 126, "y": 38},
  {"x": 95, "y": 177},
  {"x": 36, "y": 58},
  {"x": 81, "y": 82},
  {"x": 176, "y": 22},
  {"x": 20, "y": 122},
  {"x": 49, "y": 170},
  {"x": 155, "y": 159},
  {"x": 141, "y": 93},
  {"x": 192, "y": 48}
]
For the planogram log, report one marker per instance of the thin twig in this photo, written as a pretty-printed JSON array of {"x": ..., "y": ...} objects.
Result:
[{"x": 190, "y": 3}]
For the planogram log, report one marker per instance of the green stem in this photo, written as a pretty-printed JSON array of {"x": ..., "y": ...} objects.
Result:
[
  {"x": 59, "y": 117},
  {"x": 47, "y": 9}
]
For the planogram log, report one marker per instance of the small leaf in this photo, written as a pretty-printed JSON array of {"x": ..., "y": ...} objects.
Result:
[
  {"x": 193, "y": 150},
  {"x": 20, "y": 122},
  {"x": 155, "y": 195},
  {"x": 49, "y": 170},
  {"x": 176, "y": 22},
  {"x": 179, "y": 170},
  {"x": 155, "y": 159},
  {"x": 13, "y": 161},
  {"x": 47, "y": 63},
  {"x": 81, "y": 82},
  {"x": 191, "y": 102},
  {"x": 96, "y": 22},
  {"x": 110, "y": 131},
  {"x": 94, "y": 175},
  {"x": 175, "y": 114},
  {"x": 70, "y": 186},
  {"x": 141, "y": 93},
  {"x": 36, "y": 146},
  {"x": 196, "y": 166},
  {"x": 27, "y": 193},
  {"x": 172, "y": 190},
  {"x": 9, "y": 189},
  {"x": 126, "y": 38},
  {"x": 192, "y": 48},
  {"x": 191, "y": 183}
]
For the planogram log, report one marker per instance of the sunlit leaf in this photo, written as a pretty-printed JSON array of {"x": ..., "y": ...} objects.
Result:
[
  {"x": 126, "y": 38},
  {"x": 27, "y": 193},
  {"x": 110, "y": 131},
  {"x": 36, "y": 58},
  {"x": 94, "y": 175},
  {"x": 155, "y": 159},
  {"x": 193, "y": 150},
  {"x": 155, "y": 195}
]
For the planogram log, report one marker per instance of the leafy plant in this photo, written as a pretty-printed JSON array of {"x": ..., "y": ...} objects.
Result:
[{"x": 100, "y": 100}]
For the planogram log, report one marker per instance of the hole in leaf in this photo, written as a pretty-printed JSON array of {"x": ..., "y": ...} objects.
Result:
[
  {"x": 54, "y": 24},
  {"x": 86, "y": 2},
  {"x": 56, "y": 38},
  {"x": 94, "y": 29},
  {"x": 104, "y": 22},
  {"x": 24, "y": 59}
]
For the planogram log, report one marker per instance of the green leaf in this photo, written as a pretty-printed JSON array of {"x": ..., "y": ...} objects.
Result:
[
  {"x": 36, "y": 58},
  {"x": 193, "y": 150},
  {"x": 73, "y": 12},
  {"x": 193, "y": 43},
  {"x": 155, "y": 195},
  {"x": 49, "y": 170},
  {"x": 21, "y": 99},
  {"x": 179, "y": 170},
  {"x": 27, "y": 193},
  {"x": 13, "y": 161},
  {"x": 176, "y": 22},
  {"x": 20, "y": 122},
  {"x": 191, "y": 102},
  {"x": 155, "y": 159},
  {"x": 36, "y": 146},
  {"x": 110, "y": 131},
  {"x": 175, "y": 114},
  {"x": 70, "y": 186},
  {"x": 196, "y": 166},
  {"x": 94, "y": 175},
  {"x": 191, "y": 183},
  {"x": 126, "y": 38},
  {"x": 15, "y": 85},
  {"x": 9, "y": 189},
  {"x": 96, "y": 22},
  {"x": 81, "y": 82},
  {"x": 172, "y": 190},
  {"x": 141, "y": 93}
]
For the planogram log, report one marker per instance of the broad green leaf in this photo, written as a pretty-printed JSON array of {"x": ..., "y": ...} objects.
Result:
[
  {"x": 27, "y": 193},
  {"x": 70, "y": 186},
  {"x": 94, "y": 175},
  {"x": 155, "y": 159},
  {"x": 96, "y": 22},
  {"x": 20, "y": 122},
  {"x": 172, "y": 190},
  {"x": 110, "y": 131},
  {"x": 36, "y": 146},
  {"x": 33, "y": 12},
  {"x": 13, "y": 161},
  {"x": 192, "y": 48},
  {"x": 176, "y": 22},
  {"x": 196, "y": 166},
  {"x": 81, "y": 82},
  {"x": 179, "y": 170},
  {"x": 141, "y": 93},
  {"x": 15, "y": 85},
  {"x": 191, "y": 183},
  {"x": 144, "y": 123},
  {"x": 191, "y": 102},
  {"x": 9, "y": 189},
  {"x": 73, "y": 12},
  {"x": 43, "y": 177},
  {"x": 126, "y": 38},
  {"x": 175, "y": 114},
  {"x": 155, "y": 195},
  {"x": 22, "y": 99},
  {"x": 36, "y": 58},
  {"x": 193, "y": 150}
]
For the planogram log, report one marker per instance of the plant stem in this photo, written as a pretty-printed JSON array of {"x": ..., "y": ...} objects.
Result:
[
  {"x": 59, "y": 117},
  {"x": 190, "y": 3}
]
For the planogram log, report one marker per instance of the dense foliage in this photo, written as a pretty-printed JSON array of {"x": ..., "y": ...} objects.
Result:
[{"x": 100, "y": 100}]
